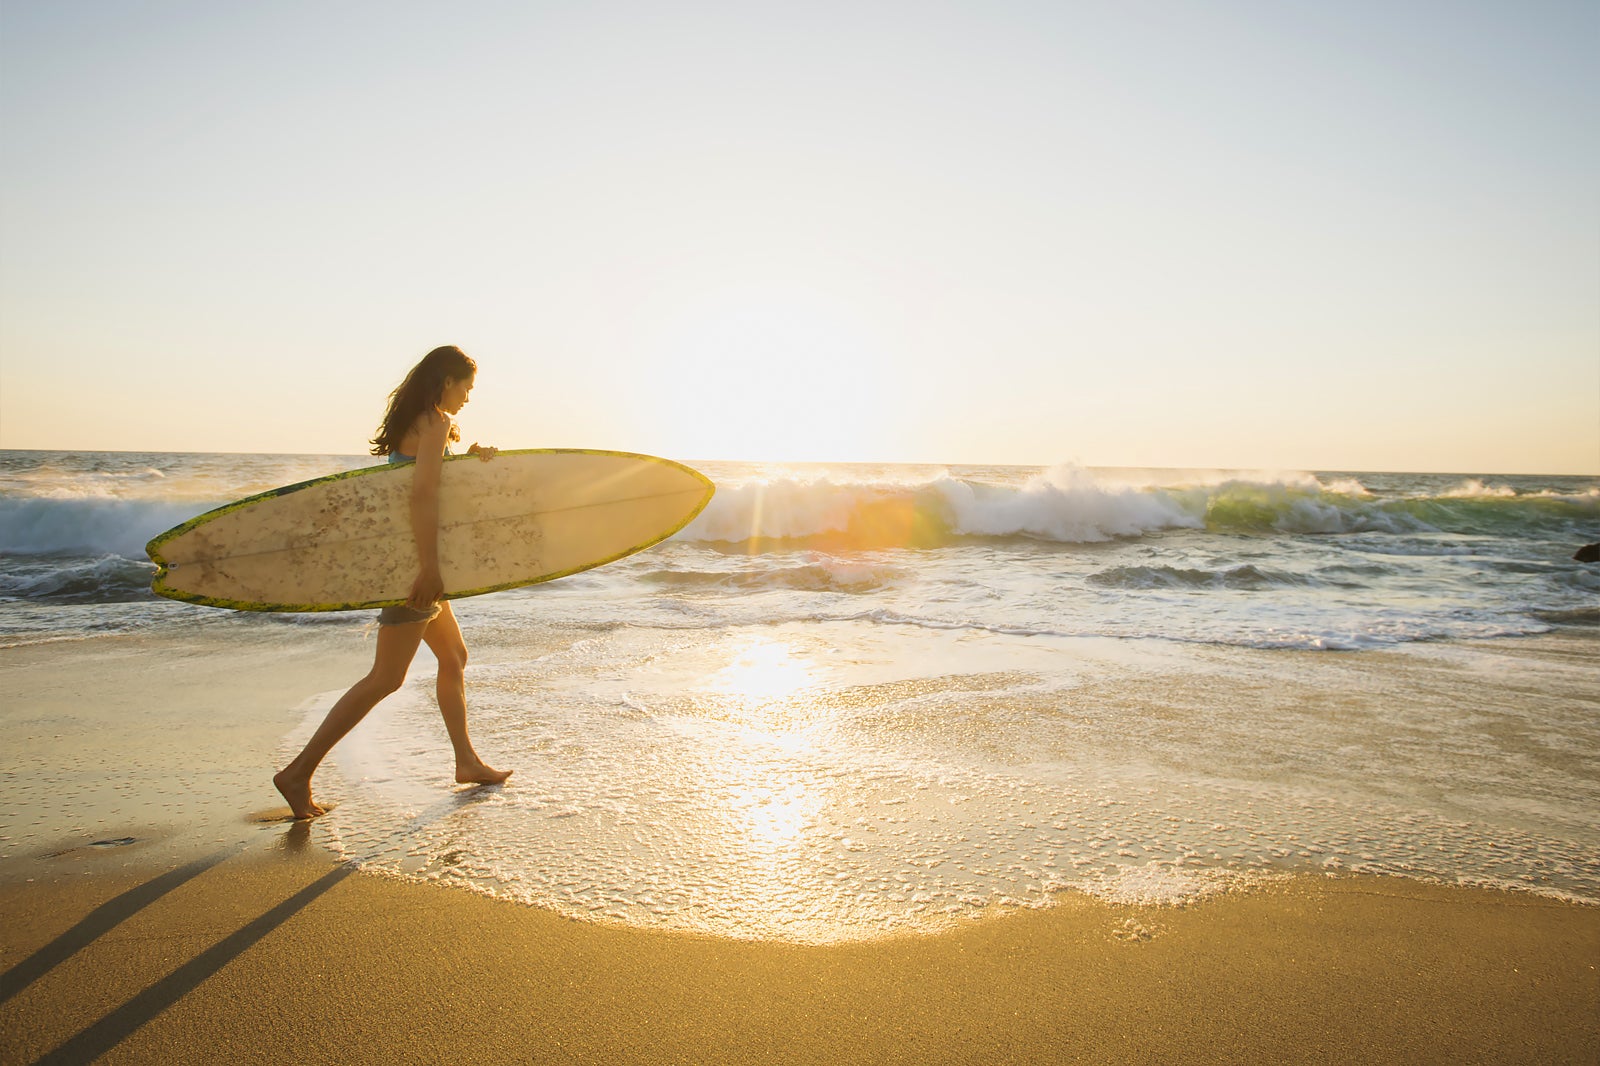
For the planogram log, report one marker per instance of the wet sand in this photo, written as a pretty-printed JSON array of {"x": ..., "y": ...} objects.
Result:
[
  {"x": 285, "y": 957},
  {"x": 166, "y": 740}
]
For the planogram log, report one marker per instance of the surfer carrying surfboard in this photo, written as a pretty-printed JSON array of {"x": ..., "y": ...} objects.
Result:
[{"x": 417, "y": 427}]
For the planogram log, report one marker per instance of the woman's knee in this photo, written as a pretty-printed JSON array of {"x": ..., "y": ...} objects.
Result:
[
  {"x": 386, "y": 682},
  {"x": 453, "y": 658}
]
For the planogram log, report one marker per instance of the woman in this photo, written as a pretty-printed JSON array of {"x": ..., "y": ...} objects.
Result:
[{"x": 417, "y": 426}]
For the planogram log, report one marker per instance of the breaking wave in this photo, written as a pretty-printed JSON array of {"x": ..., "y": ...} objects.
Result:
[
  {"x": 87, "y": 525},
  {"x": 1069, "y": 505}
]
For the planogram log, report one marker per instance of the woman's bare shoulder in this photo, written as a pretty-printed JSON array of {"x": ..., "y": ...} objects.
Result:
[{"x": 432, "y": 424}]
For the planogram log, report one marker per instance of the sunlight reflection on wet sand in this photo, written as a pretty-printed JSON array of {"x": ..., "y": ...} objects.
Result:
[{"x": 817, "y": 783}]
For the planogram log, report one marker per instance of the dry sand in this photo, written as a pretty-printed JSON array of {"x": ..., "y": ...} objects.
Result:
[{"x": 285, "y": 958}]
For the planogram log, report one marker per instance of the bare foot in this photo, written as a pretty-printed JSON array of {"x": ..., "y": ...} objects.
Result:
[
  {"x": 297, "y": 791},
  {"x": 479, "y": 774}
]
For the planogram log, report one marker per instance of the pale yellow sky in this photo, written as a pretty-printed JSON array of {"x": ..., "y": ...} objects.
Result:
[{"x": 1353, "y": 236}]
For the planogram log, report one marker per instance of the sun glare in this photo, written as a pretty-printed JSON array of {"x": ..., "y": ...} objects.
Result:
[
  {"x": 774, "y": 816},
  {"x": 762, "y": 672}
]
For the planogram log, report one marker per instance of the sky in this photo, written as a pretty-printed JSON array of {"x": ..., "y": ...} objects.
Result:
[{"x": 1270, "y": 235}]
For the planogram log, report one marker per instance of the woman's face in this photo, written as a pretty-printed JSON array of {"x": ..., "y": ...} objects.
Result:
[{"x": 455, "y": 394}]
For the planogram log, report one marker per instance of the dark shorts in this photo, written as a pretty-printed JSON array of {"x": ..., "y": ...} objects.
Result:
[{"x": 404, "y": 615}]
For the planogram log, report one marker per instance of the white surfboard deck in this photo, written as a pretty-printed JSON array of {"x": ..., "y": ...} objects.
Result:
[{"x": 344, "y": 542}]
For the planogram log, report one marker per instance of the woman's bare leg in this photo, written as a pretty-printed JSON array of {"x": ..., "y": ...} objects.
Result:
[
  {"x": 444, "y": 639},
  {"x": 397, "y": 645}
]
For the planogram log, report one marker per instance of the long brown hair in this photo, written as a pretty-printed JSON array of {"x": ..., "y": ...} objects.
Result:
[{"x": 421, "y": 391}]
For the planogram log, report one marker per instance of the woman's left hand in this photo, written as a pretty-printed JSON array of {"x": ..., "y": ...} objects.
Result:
[
  {"x": 425, "y": 590},
  {"x": 483, "y": 451}
]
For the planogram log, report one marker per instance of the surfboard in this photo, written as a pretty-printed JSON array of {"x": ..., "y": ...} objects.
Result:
[{"x": 344, "y": 542}]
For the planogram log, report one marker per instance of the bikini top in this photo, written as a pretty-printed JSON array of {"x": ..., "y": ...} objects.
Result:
[{"x": 396, "y": 457}]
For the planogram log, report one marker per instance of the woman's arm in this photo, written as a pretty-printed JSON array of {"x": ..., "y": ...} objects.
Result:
[{"x": 425, "y": 591}]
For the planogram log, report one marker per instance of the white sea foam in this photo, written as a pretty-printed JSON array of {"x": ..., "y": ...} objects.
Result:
[
  {"x": 1473, "y": 488},
  {"x": 788, "y": 508},
  {"x": 1167, "y": 883},
  {"x": 59, "y": 483},
  {"x": 1066, "y": 504},
  {"x": 1346, "y": 486}
]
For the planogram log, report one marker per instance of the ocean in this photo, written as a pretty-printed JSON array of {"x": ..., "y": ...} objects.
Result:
[{"x": 851, "y": 700}]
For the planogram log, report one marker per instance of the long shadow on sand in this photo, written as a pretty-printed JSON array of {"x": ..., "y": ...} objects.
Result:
[
  {"x": 105, "y": 1034},
  {"x": 100, "y": 921},
  {"x": 112, "y": 1029}
]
